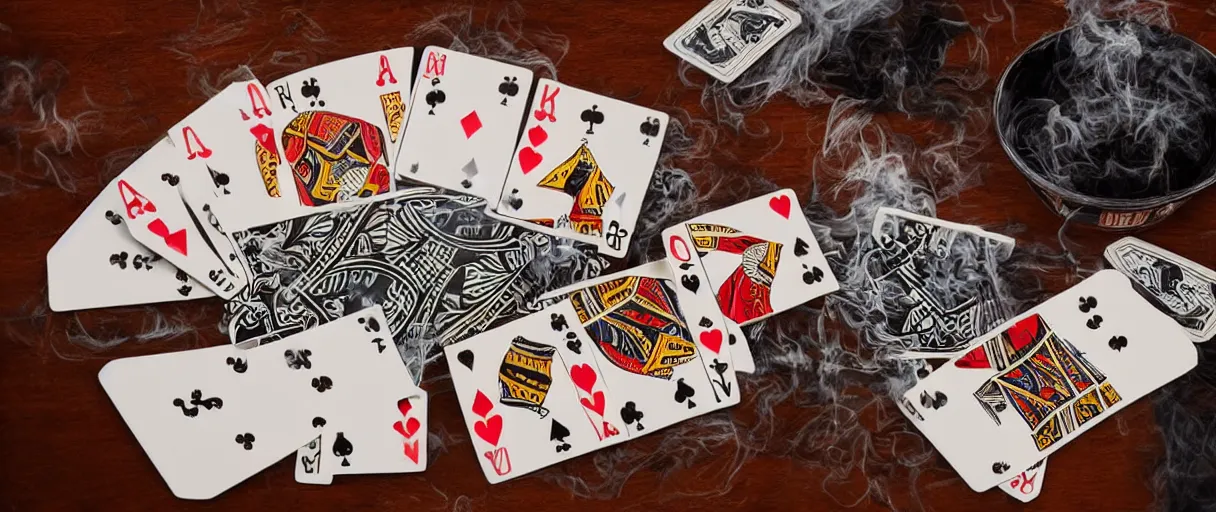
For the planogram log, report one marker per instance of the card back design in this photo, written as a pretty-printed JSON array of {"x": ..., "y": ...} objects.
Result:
[
  {"x": 728, "y": 36},
  {"x": 335, "y": 158},
  {"x": 1183, "y": 289}
]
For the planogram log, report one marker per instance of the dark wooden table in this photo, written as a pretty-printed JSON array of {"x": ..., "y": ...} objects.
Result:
[{"x": 62, "y": 444}]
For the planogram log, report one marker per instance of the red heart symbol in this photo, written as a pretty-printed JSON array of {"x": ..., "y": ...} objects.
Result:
[
  {"x": 597, "y": 405},
  {"x": 411, "y": 450},
  {"x": 712, "y": 340},
  {"x": 409, "y": 429},
  {"x": 781, "y": 205},
  {"x": 404, "y": 406},
  {"x": 537, "y": 135},
  {"x": 482, "y": 405},
  {"x": 490, "y": 429},
  {"x": 175, "y": 240},
  {"x": 583, "y": 376},
  {"x": 528, "y": 160}
]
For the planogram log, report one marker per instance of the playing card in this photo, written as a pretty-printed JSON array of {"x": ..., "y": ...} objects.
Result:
[
  {"x": 647, "y": 355},
  {"x": 341, "y": 124},
  {"x": 740, "y": 353},
  {"x": 518, "y": 399},
  {"x": 390, "y": 439},
  {"x": 1041, "y": 379},
  {"x": 466, "y": 271},
  {"x": 157, "y": 217},
  {"x": 96, "y": 263},
  {"x": 1179, "y": 287},
  {"x": 728, "y": 36},
  {"x": 210, "y": 418},
  {"x": 761, "y": 257},
  {"x": 931, "y": 317},
  {"x": 583, "y": 166},
  {"x": 705, "y": 321},
  {"x": 229, "y": 147},
  {"x": 464, "y": 130},
  {"x": 1027, "y": 485}
]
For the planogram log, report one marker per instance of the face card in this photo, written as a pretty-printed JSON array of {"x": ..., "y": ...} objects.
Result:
[
  {"x": 468, "y": 272},
  {"x": 705, "y": 322},
  {"x": 647, "y": 354},
  {"x": 341, "y": 124},
  {"x": 728, "y": 36},
  {"x": 96, "y": 263},
  {"x": 518, "y": 400},
  {"x": 158, "y": 218},
  {"x": 464, "y": 131},
  {"x": 740, "y": 352},
  {"x": 1179, "y": 287},
  {"x": 583, "y": 165},
  {"x": 761, "y": 257},
  {"x": 1041, "y": 379},
  {"x": 233, "y": 146},
  {"x": 911, "y": 253}
]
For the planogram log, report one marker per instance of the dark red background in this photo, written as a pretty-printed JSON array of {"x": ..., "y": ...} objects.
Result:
[{"x": 62, "y": 444}]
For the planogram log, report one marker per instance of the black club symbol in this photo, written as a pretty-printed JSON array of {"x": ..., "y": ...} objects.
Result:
[
  {"x": 171, "y": 179},
  {"x": 245, "y": 440},
  {"x": 114, "y": 218},
  {"x": 1117, "y": 343},
  {"x": 322, "y": 383},
  {"x": 1087, "y": 303},
  {"x": 615, "y": 235},
  {"x": 119, "y": 259}
]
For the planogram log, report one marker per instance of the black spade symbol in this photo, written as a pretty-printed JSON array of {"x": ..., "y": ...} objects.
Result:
[
  {"x": 691, "y": 283},
  {"x": 559, "y": 433},
  {"x": 684, "y": 392},
  {"x": 575, "y": 345},
  {"x": 466, "y": 358},
  {"x": 801, "y": 247},
  {"x": 508, "y": 88},
  {"x": 343, "y": 448},
  {"x": 318, "y": 422},
  {"x": 311, "y": 90}
]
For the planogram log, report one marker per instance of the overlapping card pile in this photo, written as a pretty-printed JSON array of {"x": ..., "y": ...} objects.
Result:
[
  {"x": 1000, "y": 392},
  {"x": 353, "y": 224}
]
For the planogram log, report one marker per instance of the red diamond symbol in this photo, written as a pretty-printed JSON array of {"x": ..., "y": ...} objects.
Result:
[{"x": 471, "y": 123}]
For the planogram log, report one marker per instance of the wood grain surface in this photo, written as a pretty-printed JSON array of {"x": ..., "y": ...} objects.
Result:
[{"x": 64, "y": 447}]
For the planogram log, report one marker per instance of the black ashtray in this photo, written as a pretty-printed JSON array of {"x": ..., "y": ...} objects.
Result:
[{"x": 1113, "y": 123}]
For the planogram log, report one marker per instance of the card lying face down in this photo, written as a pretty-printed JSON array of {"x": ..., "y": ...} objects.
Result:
[
  {"x": 612, "y": 362},
  {"x": 442, "y": 269},
  {"x": 913, "y": 251},
  {"x": 728, "y": 36},
  {"x": 1040, "y": 380},
  {"x": 210, "y": 418},
  {"x": 1181, "y": 288}
]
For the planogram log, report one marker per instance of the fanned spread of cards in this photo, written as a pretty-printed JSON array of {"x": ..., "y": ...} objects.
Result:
[
  {"x": 728, "y": 36},
  {"x": 1038, "y": 381}
]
